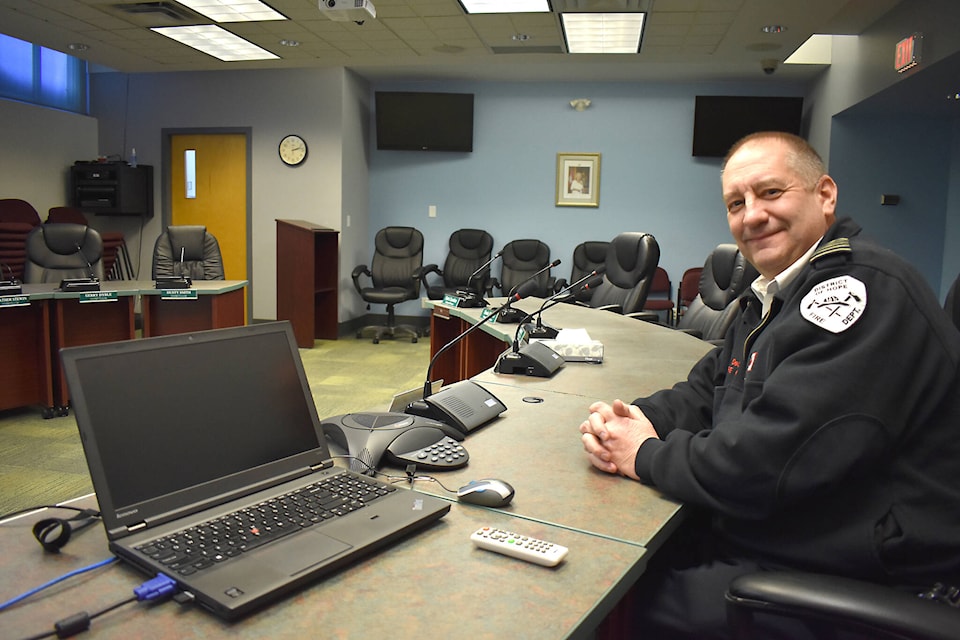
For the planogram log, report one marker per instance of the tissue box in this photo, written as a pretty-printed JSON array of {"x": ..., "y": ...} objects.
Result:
[{"x": 589, "y": 351}]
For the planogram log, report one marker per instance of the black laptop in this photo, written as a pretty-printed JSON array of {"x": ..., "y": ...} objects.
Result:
[{"x": 210, "y": 467}]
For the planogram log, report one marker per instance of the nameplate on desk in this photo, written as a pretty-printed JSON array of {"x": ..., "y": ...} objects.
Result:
[
  {"x": 486, "y": 312},
  {"x": 178, "y": 294},
  {"x": 452, "y": 300},
  {"x": 14, "y": 301},
  {"x": 98, "y": 296}
]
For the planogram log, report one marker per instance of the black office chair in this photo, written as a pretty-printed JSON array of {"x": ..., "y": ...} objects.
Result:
[
  {"x": 952, "y": 304},
  {"x": 470, "y": 249},
  {"x": 827, "y": 604},
  {"x": 395, "y": 276},
  {"x": 630, "y": 264},
  {"x": 187, "y": 250},
  {"x": 63, "y": 250},
  {"x": 726, "y": 274},
  {"x": 522, "y": 259},
  {"x": 587, "y": 257}
]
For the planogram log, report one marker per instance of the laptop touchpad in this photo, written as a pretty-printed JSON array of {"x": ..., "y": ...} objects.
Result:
[{"x": 301, "y": 551}]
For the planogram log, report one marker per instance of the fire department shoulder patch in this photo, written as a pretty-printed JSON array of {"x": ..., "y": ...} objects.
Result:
[{"x": 835, "y": 304}]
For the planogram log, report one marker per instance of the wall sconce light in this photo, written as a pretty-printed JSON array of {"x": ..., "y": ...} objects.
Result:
[{"x": 580, "y": 103}]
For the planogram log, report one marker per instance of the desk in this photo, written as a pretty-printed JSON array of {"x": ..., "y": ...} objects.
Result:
[
  {"x": 435, "y": 584},
  {"x": 26, "y": 374},
  {"x": 219, "y": 304},
  {"x": 638, "y": 357}
]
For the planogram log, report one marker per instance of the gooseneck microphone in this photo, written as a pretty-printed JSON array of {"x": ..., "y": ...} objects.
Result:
[
  {"x": 481, "y": 268},
  {"x": 525, "y": 289},
  {"x": 534, "y": 276},
  {"x": 93, "y": 275},
  {"x": 90, "y": 283},
  {"x": 464, "y": 405},
  {"x": 590, "y": 281},
  {"x": 12, "y": 286}
]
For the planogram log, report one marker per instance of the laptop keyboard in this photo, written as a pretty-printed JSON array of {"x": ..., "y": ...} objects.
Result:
[{"x": 204, "y": 545}]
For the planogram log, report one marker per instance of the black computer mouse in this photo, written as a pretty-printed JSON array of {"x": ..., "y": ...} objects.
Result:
[{"x": 487, "y": 492}]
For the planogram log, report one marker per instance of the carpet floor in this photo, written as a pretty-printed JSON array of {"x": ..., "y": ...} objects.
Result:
[{"x": 41, "y": 461}]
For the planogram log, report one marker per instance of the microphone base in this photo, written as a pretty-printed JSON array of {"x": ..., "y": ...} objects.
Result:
[
  {"x": 511, "y": 316},
  {"x": 470, "y": 300},
  {"x": 74, "y": 285},
  {"x": 173, "y": 282},
  {"x": 10, "y": 288},
  {"x": 541, "y": 332},
  {"x": 533, "y": 359},
  {"x": 464, "y": 405}
]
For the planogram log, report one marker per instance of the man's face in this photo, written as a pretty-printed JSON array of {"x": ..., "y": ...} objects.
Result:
[{"x": 775, "y": 215}]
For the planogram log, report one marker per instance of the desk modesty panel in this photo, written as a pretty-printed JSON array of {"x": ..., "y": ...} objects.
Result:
[
  {"x": 217, "y": 304},
  {"x": 434, "y": 584},
  {"x": 26, "y": 376}
]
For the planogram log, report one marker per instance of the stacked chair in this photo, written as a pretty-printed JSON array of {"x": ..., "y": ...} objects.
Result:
[{"x": 17, "y": 219}]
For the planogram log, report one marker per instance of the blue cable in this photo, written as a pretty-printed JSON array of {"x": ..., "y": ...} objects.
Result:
[{"x": 55, "y": 581}]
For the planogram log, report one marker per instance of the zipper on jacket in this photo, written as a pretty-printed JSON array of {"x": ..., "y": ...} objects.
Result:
[{"x": 775, "y": 305}]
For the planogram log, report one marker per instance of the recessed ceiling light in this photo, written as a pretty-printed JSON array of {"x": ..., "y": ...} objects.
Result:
[
  {"x": 520, "y": 37},
  {"x": 233, "y": 10},
  {"x": 505, "y": 6},
  {"x": 78, "y": 46},
  {"x": 773, "y": 28},
  {"x": 217, "y": 42},
  {"x": 290, "y": 43},
  {"x": 603, "y": 32}
]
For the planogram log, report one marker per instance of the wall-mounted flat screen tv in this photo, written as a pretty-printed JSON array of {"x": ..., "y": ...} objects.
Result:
[
  {"x": 423, "y": 121},
  {"x": 719, "y": 121}
]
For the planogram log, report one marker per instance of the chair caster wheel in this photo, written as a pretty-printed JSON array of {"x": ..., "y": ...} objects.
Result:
[
  {"x": 413, "y": 340},
  {"x": 376, "y": 341},
  {"x": 359, "y": 334},
  {"x": 63, "y": 411},
  {"x": 48, "y": 412}
]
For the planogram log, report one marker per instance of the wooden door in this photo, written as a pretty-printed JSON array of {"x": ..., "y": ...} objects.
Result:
[{"x": 220, "y": 196}]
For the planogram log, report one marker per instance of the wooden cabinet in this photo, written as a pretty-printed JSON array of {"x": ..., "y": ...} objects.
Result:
[{"x": 308, "y": 273}]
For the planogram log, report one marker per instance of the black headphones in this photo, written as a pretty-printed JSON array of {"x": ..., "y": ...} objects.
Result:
[{"x": 54, "y": 533}]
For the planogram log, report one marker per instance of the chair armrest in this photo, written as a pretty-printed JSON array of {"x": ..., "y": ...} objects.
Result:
[
  {"x": 614, "y": 308},
  {"x": 360, "y": 271},
  {"x": 845, "y": 602},
  {"x": 560, "y": 285},
  {"x": 421, "y": 273}
]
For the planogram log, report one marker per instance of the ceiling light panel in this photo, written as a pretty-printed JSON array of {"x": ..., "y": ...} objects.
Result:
[
  {"x": 505, "y": 6},
  {"x": 217, "y": 42},
  {"x": 603, "y": 32},
  {"x": 233, "y": 10}
]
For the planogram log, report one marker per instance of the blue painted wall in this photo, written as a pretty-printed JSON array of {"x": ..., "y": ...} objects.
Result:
[{"x": 648, "y": 179}]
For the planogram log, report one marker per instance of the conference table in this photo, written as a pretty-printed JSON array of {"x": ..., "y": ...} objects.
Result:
[
  {"x": 42, "y": 319},
  {"x": 436, "y": 583}
]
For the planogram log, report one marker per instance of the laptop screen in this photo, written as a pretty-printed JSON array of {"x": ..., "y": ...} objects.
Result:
[{"x": 193, "y": 416}]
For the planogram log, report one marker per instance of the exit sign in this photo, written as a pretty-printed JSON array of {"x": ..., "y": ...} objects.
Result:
[{"x": 908, "y": 53}]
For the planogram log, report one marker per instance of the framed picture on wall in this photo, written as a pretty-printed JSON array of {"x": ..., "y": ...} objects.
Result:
[{"x": 578, "y": 179}]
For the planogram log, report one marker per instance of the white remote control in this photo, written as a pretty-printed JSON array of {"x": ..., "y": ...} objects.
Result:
[{"x": 518, "y": 546}]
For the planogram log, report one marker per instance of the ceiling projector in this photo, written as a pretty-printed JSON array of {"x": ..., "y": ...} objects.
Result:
[{"x": 348, "y": 10}]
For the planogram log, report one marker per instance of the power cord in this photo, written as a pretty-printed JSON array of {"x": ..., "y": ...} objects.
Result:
[
  {"x": 150, "y": 591},
  {"x": 410, "y": 473},
  {"x": 36, "y": 590}
]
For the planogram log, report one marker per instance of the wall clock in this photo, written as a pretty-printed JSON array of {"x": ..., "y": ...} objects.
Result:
[{"x": 292, "y": 150}]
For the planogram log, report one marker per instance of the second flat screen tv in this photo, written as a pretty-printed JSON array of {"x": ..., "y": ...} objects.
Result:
[
  {"x": 423, "y": 121},
  {"x": 719, "y": 121}
]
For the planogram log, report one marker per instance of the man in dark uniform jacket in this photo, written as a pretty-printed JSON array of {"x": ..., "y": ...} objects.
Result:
[{"x": 824, "y": 435}]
